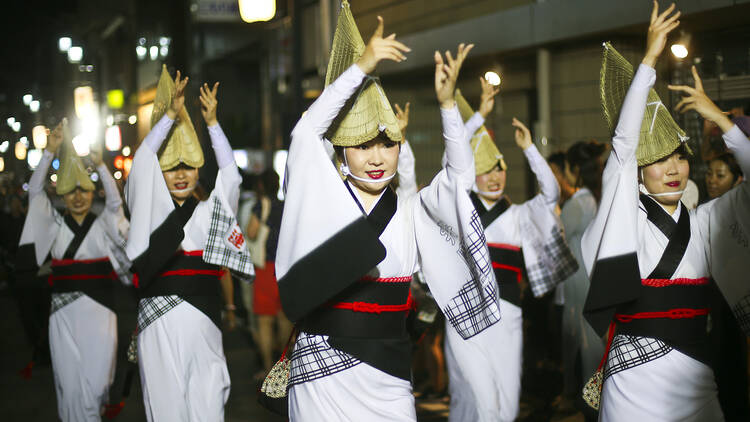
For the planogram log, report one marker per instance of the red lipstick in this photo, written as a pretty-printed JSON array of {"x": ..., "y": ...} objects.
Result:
[
  {"x": 673, "y": 184},
  {"x": 375, "y": 174}
]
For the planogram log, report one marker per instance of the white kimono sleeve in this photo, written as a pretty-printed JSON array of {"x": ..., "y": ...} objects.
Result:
[
  {"x": 725, "y": 224},
  {"x": 146, "y": 192},
  {"x": 609, "y": 243},
  {"x": 407, "y": 175},
  {"x": 42, "y": 221},
  {"x": 116, "y": 226},
  {"x": 452, "y": 247}
]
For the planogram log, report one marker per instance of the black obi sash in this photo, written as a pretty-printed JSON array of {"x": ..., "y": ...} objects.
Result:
[
  {"x": 162, "y": 270},
  {"x": 94, "y": 277},
  {"x": 508, "y": 264},
  {"x": 186, "y": 275},
  {"x": 672, "y": 310},
  {"x": 367, "y": 318}
]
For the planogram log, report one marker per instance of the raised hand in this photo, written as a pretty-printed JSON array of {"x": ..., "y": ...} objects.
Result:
[
  {"x": 488, "y": 97},
  {"x": 402, "y": 116},
  {"x": 446, "y": 74},
  {"x": 696, "y": 99},
  {"x": 55, "y": 137},
  {"x": 95, "y": 153},
  {"x": 661, "y": 25},
  {"x": 379, "y": 48},
  {"x": 523, "y": 135},
  {"x": 209, "y": 103},
  {"x": 178, "y": 99}
]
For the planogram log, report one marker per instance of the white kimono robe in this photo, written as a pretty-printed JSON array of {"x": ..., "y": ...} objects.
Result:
[
  {"x": 498, "y": 376},
  {"x": 82, "y": 331},
  {"x": 436, "y": 229},
  {"x": 646, "y": 379},
  {"x": 180, "y": 354}
]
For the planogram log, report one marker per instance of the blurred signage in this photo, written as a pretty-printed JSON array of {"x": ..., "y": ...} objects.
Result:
[{"x": 215, "y": 11}]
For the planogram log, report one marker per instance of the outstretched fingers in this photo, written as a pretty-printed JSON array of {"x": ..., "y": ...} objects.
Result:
[{"x": 697, "y": 79}]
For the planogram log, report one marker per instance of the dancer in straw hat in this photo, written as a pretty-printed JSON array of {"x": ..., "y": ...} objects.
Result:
[
  {"x": 650, "y": 260},
  {"x": 87, "y": 257},
  {"x": 349, "y": 244},
  {"x": 178, "y": 241},
  {"x": 523, "y": 239}
]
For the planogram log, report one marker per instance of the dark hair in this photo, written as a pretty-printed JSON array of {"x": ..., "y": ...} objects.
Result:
[
  {"x": 731, "y": 162},
  {"x": 268, "y": 182},
  {"x": 558, "y": 159},
  {"x": 585, "y": 156}
]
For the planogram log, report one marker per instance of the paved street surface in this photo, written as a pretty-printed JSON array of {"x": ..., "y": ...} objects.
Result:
[{"x": 25, "y": 400}]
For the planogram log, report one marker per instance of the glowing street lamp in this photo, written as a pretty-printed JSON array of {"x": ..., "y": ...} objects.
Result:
[
  {"x": 34, "y": 106},
  {"x": 27, "y": 99},
  {"x": 2, "y": 164},
  {"x": 20, "y": 151},
  {"x": 16, "y": 126},
  {"x": 33, "y": 157},
  {"x": 141, "y": 52},
  {"x": 493, "y": 78},
  {"x": 257, "y": 10},
  {"x": 64, "y": 44},
  {"x": 39, "y": 136},
  {"x": 113, "y": 138},
  {"x": 679, "y": 50},
  {"x": 75, "y": 54},
  {"x": 153, "y": 52}
]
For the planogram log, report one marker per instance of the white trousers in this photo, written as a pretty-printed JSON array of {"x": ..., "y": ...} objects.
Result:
[
  {"x": 486, "y": 387},
  {"x": 83, "y": 348},
  {"x": 360, "y": 393},
  {"x": 183, "y": 370},
  {"x": 674, "y": 387}
]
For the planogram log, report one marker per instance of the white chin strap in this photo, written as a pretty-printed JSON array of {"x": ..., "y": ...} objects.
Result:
[
  {"x": 643, "y": 189},
  {"x": 347, "y": 173},
  {"x": 181, "y": 190},
  {"x": 491, "y": 194}
]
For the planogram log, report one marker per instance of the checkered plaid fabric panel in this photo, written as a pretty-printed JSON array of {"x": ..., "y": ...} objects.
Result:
[
  {"x": 556, "y": 264},
  {"x": 61, "y": 299},
  {"x": 151, "y": 308},
  {"x": 630, "y": 351},
  {"x": 218, "y": 252},
  {"x": 741, "y": 311},
  {"x": 475, "y": 307},
  {"x": 314, "y": 358}
]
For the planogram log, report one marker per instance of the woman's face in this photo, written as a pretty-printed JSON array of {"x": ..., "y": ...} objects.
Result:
[
  {"x": 669, "y": 174},
  {"x": 491, "y": 184},
  {"x": 375, "y": 161},
  {"x": 719, "y": 179},
  {"x": 181, "y": 181},
  {"x": 571, "y": 175},
  {"x": 78, "y": 202}
]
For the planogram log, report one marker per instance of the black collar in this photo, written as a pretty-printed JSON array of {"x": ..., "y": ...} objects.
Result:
[
  {"x": 678, "y": 234},
  {"x": 79, "y": 232},
  {"x": 489, "y": 215}
]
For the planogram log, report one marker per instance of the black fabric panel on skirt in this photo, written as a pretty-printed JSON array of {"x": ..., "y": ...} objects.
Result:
[
  {"x": 99, "y": 289},
  {"x": 200, "y": 290},
  {"x": 507, "y": 278},
  {"x": 338, "y": 262},
  {"x": 392, "y": 356},
  {"x": 79, "y": 233},
  {"x": 615, "y": 281},
  {"x": 163, "y": 243}
]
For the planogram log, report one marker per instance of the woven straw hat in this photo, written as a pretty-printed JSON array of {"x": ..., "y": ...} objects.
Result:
[
  {"x": 486, "y": 154},
  {"x": 72, "y": 174},
  {"x": 368, "y": 112},
  {"x": 182, "y": 145},
  {"x": 660, "y": 135}
]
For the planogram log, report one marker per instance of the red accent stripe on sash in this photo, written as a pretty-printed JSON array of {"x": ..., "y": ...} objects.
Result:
[
  {"x": 664, "y": 282},
  {"x": 406, "y": 279},
  {"x": 375, "y": 308},
  {"x": 185, "y": 253},
  {"x": 64, "y": 262},
  {"x": 679, "y": 313},
  {"x": 504, "y": 246},
  {"x": 508, "y": 267},
  {"x": 188, "y": 272}
]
